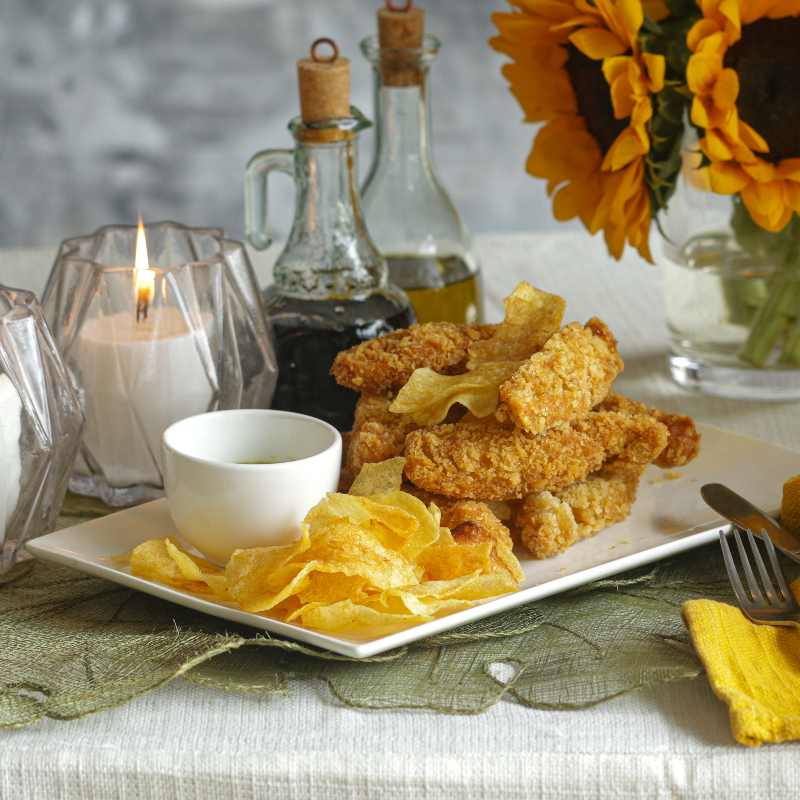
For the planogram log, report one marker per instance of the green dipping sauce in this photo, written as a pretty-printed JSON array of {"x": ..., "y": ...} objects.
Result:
[{"x": 277, "y": 460}]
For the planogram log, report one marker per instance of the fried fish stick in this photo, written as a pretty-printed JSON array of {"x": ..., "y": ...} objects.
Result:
[
  {"x": 481, "y": 461},
  {"x": 572, "y": 372},
  {"x": 377, "y": 435},
  {"x": 684, "y": 440},
  {"x": 549, "y": 522},
  {"x": 386, "y": 363}
]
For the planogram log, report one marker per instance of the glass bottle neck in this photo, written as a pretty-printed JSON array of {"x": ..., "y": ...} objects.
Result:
[{"x": 403, "y": 126}]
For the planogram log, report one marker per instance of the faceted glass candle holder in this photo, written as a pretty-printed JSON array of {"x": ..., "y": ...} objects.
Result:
[
  {"x": 199, "y": 343},
  {"x": 40, "y": 425}
]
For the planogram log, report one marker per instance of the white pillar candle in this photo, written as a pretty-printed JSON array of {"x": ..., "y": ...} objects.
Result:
[
  {"x": 137, "y": 379},
  {"x": 10, "y": 458}
]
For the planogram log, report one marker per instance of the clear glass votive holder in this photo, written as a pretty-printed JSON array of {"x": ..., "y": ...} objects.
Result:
[
  {"x": 146, "y": 350},
  {"x": 40, "y": 425}
]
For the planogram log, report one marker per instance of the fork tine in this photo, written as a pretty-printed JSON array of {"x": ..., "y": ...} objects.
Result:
[
  {"x": 783, "y": 584},
  {"x": 766, "y": 581},
  {"x": 752, "y": 584},
  {"x": 733, "y": 575}
]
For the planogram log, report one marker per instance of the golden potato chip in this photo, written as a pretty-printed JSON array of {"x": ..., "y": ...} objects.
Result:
[
  {"x": 532, "y": 317},
  {"x": 443, "y": 563},
  {"x": 194, "y": 568},
  {"x": 355, "y": 551},
  {"x": 358, "y": 511},
  {"x": 381, "y": 478},
  {"x": 428, "y": 519},
  {"x": 152, "y": 561},
  {"x": 428, "y": 396},
  {"x": 347, "y": 615}
]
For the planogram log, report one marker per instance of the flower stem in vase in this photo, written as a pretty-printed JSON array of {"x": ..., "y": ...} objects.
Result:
[{"x": 778, "y": 315}]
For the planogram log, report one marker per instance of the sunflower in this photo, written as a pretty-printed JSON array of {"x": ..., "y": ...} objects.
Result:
[
  {"x": 580, "y": 68},
  {"x": 744, "y": 73}
]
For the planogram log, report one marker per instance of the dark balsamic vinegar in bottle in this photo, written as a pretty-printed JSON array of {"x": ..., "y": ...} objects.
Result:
[{"x": 331, "y": 288}]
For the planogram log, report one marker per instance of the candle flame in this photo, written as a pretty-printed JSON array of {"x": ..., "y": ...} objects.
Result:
[{"x": 144, "y": 277}]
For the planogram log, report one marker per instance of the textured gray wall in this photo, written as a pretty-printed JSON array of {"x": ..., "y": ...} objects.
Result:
[{"x": 110, "y": 105}]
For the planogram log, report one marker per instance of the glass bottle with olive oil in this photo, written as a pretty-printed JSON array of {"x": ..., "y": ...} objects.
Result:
[{"x": 408, "y": 212}]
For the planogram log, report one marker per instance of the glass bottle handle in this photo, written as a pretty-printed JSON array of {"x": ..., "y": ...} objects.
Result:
[{"x": 255, "y": 193}]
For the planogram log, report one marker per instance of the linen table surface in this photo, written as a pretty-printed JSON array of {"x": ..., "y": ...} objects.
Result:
[{"x": 671, "y": 741}]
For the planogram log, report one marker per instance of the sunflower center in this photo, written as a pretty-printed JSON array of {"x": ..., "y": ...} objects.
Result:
[
  {"x": 594, "y": 98},
  {"x": 767, "y": 61}
]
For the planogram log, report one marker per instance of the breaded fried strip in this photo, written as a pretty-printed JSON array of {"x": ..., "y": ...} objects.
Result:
[
  {"x": 482, "y": 461},
  {"x": 377, "y": 435},
  {"x": 386, "y": 363},
  {"x": 549, "y": 522},
  {"x": 684, "y": 440},
  {"x": 562, "y": 382},
  {"x": 501, "y": 510}
]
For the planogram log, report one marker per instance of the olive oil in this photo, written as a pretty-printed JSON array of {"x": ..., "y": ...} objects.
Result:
[{"x": 440, "y": 289}]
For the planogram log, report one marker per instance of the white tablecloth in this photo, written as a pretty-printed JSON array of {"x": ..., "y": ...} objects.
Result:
[{"x": 672, "y": 741}]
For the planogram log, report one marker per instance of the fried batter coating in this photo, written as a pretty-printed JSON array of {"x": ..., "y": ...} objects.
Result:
[
  {"x": 377, "y": 435},
  {"x": 482, "y": 461},
  {"x": 501, "y": 510},
  {"x": 472, "y": 522},
  {"x": 386, "y": 363},
  {"x": 549, "y": 522},
  {"x": 684, "y": 440},
  {"x": 564, "y": 380}
]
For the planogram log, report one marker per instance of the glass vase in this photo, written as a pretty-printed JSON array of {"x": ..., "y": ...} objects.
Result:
[
  {"x": 409, "y": 214},
  {"x": 40, "y": 425},
  {"x": 732, "y": 293},
  {"x": 200, "y": 343}
]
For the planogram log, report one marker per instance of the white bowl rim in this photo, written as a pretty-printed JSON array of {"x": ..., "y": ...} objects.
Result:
[{"x": 271, "y": 412}]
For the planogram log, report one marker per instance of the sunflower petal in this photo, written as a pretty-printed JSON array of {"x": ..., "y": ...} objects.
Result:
[
  {"x": 762, "y": 198},
  {"x": 622, "y": 96},
  {"x": 792, "y": 191},
  {"x": 656, "y": 66},
  {"x": 789, "y": 168},
  {"x": 702, "y": 72},
  {"x": 715, "y": 146},
  {"x": 632, "y": 15},
  {"x": 626, "y": 147},
  {"x": 727, "y": 177},
  {"x": 699, "y": 31},
  {"x": 761, "y": 171},
  {"x": 597, "y": 43},
  {"x": 699, "y": 114},
  {"x": 726, "y": 89},
  {"x": 752, "y": 138}
]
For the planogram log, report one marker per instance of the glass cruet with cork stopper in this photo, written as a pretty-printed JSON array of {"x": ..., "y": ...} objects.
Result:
[
  {"x": 331, "y": 288},
  {"x": 409, "y": 214}
]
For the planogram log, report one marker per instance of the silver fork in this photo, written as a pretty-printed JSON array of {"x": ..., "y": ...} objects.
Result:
[{"x": 780, "y": 607}]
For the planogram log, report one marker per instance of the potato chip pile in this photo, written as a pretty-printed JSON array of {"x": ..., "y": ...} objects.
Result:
[{"x": 375, "y": 557}]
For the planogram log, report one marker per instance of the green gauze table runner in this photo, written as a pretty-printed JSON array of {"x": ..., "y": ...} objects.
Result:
[{"x": 74, "y": 644}]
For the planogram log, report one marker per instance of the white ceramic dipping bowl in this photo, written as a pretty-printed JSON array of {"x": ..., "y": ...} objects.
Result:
[{"x": 219, "y": 504}]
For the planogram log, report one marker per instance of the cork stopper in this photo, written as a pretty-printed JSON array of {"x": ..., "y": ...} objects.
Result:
[
  {"x": 324, "y": 84},
  {"x": 400, "y": 27}
]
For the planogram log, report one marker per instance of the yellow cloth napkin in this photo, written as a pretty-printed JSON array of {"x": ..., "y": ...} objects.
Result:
[{"x": 755, "y": 669}]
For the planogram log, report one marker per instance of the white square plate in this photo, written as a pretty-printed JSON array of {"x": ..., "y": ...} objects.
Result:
[{"x": 668, "y": 517}]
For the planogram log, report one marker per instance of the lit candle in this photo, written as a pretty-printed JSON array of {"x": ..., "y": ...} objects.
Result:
[
  {"x": 10, "y": 457},
  {"x": 144, "y": 279},
  {"x": 140, "y": 373}
]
